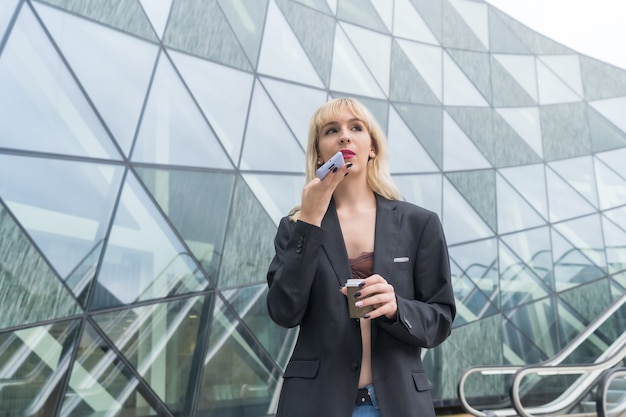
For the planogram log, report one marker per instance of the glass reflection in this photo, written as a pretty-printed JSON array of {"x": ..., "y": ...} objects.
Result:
[
  {"x": 518, "y": 282},
  {"x": 250, "y": 305},
  {"x": 239, "y": 378},
  {"x": 100, "y": 385},
  {"x": 143, "y": 259},
  {"x": 33, "y": 364},
  {"x": 41, "y": 107},
  {"x": 534, "y": 337},
  {"x": 160, "y": 341}
]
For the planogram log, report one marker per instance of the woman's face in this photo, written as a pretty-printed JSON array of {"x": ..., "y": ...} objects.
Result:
[{"x": 348, "y": 134}]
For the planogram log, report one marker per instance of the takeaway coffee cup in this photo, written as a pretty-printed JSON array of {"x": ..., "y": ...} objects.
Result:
[{"x": 352, "y": 285}]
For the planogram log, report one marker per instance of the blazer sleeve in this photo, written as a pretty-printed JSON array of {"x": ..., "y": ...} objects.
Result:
[
  {"x": 292, "y": 271},
  {"x": 426, "y": 320}
]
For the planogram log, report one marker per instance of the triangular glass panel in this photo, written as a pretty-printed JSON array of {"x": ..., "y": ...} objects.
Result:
[
  {"x": 199, "y": 218},
  {"x": 29, "y": 289},
  {"x": 428, "y": 61},
  {"x": 523, "y": 69},
  {"x": 578, "y": 172},
  {"x": 408, "y": 24},
  {"x": 479, "y": 189},
  {"x": 384, "y": 8},
  {"x": 247, "y": 24},
  {"x": 250, "y": 305},
  {"x": 456, "y": 31},
  {"x": 471, "y": 303},
  {"x": 432, "y": 13},
  {"x": 232, "y": 347},
  {"x": 614, "y": 237},
  {"x": 333, "y": 5},
  {"x": 41, "y": 107},
  {"x": 375, "y": 49},
  {"x": 564, "y": 201},
  {"x": 423, "y": 190},
  {"x": 249, "y": 227},
  {"x": 537, "y": 43},
  {"x": 296, "y": 103},
  {"x": 36, "y": 361},
  {"x": 125, "y": 15},
  {"x": 476, "y": 16},
  {"x": 461, "y": 224},
  {"x": 578, "y": 307},
  {"x": 169, "y": 331},
  {"x": 539, "y": 338},
  {"x": 459, "y": 152},
  {"x": 173, "y": 130},
  {"x": 578, "y": 257},
  {"x": 200, "y": 28},
  {"x": 316, "y": 33},
  {"x": 476, "y": 66},
  {"x": 552, "y": 89},
  {"x": 525, "y": 121},
  {"x": 7, "y": 8},
  {"x": 360, "y": 12},
  {"x": 406, "y": 83},
  {"x": 157, "y": 13},
  {"x": 458, "y": 90},
  {"x": 144, "y": 258},
  {"x": 269, "y": 145},
  {"x": 501, "y": 37},
  {"x": 569, "y": 121},
  {"x": 478, "y": 261},
  {"x": 426, "y": 123},
  {"x": 321, "y": 5},
  {"x": 604, "y": 134},
  {"x": 278, "y": 194},
  {"x": 601, "y": 80},
  {"x": 611, "y": 186},
  {"x": 101, "y": 383},
  {"x": 519, "y": 284},
  {"x": 612, "y": 109},
  {"x": 514, "y": 213},
  {"x": 114, "y": 68},
  {"x": 518, "y": 348},
  {"x": 617, "y": 216},
  {"x": 66, "y": 212},
  {"x": 567, "y": 68},
  {"x": 507, "y": 92},
  {"x": 530, "y": 182},
  {"x": 533, "y": 247},
  {"x": 349, "y": 72},
  {"x": 406, "y": 153},
  {"x": 222, "y": 93},
  {"x": 615, "y": 160},
  {"x": 282, "y": 55}
]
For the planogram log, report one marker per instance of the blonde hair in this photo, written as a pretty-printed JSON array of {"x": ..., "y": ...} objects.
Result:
[{"x": 378, "y": 176}]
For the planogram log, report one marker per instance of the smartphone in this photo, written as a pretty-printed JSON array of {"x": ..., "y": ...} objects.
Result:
[{"x": 335, "y": 161}]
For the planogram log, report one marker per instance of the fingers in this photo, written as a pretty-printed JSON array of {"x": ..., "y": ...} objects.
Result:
[
  {"x": 377, "y": 292},
  {"x": 317, "y": 193}
]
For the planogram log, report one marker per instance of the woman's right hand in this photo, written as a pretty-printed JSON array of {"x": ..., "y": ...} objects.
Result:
[{"x": 317, "y": 193}]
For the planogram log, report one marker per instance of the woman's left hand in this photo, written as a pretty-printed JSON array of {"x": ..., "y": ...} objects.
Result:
[{"x": 378, "y": 292}]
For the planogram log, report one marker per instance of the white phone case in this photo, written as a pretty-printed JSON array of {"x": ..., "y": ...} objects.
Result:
[{"x": 335, "y": 161}]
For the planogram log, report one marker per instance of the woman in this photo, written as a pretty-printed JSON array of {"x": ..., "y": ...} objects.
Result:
[{"x": 352, "y": 224}]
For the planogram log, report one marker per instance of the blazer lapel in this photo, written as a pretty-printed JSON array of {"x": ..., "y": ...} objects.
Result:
[
  {"x": 334, "y": 246},
  {"x": 385, "y": 239}
]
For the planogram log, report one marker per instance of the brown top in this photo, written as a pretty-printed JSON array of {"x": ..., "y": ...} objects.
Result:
[{"x": 362, "y": 266}]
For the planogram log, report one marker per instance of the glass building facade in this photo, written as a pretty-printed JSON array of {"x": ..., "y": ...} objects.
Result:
[{"x": 149, "y": 148}]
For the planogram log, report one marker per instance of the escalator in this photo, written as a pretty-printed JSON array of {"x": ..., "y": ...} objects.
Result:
[{"x": 567, "y": 384}]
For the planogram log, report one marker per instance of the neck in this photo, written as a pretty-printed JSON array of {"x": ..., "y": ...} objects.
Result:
[{"x": 354, "y": 195}]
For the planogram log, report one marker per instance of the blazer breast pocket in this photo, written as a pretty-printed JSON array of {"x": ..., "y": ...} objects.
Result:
[{"x": 401, "y": 263}]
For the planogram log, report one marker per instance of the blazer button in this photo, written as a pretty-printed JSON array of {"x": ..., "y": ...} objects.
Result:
[{"x": 354, "y": 366}]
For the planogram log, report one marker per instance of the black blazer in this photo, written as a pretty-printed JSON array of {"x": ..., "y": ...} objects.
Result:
[{"x": 304, "y": 278}]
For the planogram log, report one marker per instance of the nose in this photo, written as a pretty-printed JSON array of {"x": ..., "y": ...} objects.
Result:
[{"x": 344, "y": 137}]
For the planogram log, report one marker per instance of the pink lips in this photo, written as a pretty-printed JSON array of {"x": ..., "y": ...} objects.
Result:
[{"x": 347, "y": 153}]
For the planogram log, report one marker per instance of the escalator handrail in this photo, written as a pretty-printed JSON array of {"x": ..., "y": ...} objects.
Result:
[
  {"x": 575, "y": 391},
  {"x": 555, "y": 360},
  {"x": 603, "y": 385}
]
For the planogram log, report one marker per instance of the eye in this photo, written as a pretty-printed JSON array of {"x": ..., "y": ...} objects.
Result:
[
  {"x": 357, "y": 127},
  {"x": 330, "y": 131}
]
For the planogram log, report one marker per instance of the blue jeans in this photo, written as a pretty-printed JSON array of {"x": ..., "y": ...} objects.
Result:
[{"x": 368, "y": 410}]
